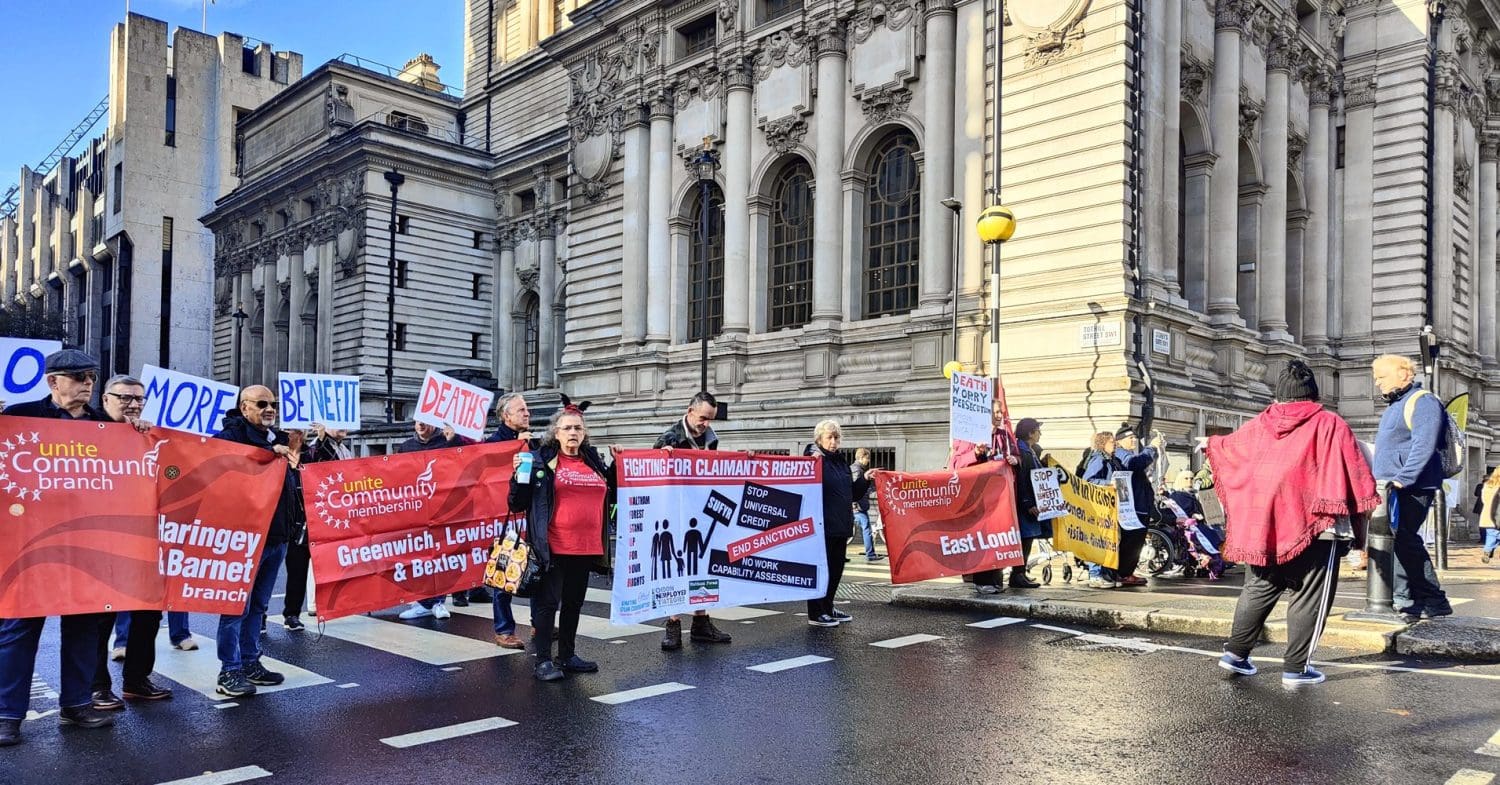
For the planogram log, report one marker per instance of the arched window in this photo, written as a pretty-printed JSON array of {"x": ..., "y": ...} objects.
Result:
[
  {"x": 893, "y": 235},
  {"x": 791, "y": 270},
  {"x": 706, "y": 271},
  {"x": 532, "y": 342}
]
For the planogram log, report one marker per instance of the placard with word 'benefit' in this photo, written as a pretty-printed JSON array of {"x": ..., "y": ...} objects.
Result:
[
  {"x": 698, "y": 530},
  {"x": 184, "y": 402},
  {"x": 329, "y": 400}
]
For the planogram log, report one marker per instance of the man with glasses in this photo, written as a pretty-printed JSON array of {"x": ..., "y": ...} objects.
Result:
[
  {"x": 240, "y": 669},
  {"x": 124, "y": 397},
  {"x": 70, "y": 375}
]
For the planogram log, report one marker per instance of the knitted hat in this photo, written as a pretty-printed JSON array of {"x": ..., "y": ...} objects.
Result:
[
  {"x": 1296, "y": 383},
  {"x": 1124, "y": 431}
]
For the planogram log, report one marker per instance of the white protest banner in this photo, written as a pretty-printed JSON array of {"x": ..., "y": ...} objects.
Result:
[
  {"x": 329, "y": 400},
  {"x": 184, "y": 402},
  {"x": 969, "y": 417},
  {"x": 1046, "y": 484},
  {"x": 1125, "y": 498},
  {"x": 22, "y": 366},
  {"x": 701, "y": 529},
  {"x": 448, "y": 401}
]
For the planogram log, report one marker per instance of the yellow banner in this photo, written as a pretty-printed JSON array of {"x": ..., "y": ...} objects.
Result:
[{"x": 1091, "y": 528}]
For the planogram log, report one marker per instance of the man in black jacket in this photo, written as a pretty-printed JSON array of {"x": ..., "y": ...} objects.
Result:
[
  {"x": 515, "y": 424},
  {"x": 240, "y": 669},
  {"x": 71, "y": 375},
  {"x": 693, "y": 432}
]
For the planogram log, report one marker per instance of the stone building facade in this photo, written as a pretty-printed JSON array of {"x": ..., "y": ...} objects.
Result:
[{"x": 111, "y": 238}]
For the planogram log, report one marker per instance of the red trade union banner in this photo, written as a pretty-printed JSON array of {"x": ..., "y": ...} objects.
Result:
[
  {"x": 79, "y": 526},
  {"x": 949, "y": 523},
  {"x": 215, "y": 499},
  {"x": 395, "y": 528}
]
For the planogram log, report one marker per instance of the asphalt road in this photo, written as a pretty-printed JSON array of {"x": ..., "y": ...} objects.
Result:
[{"x": 962, "y": 702}]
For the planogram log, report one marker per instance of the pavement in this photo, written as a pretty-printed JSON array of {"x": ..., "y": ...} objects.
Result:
[
  {"x": 900, "y": 695},
  {"x": 1201, "y": 607}
]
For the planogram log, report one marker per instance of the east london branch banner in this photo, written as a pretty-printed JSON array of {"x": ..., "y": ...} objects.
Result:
[
  {"x": 395, "y": 528},
  {"x": 698, "y": 530},
  {"x": 1090, "y": 529},
  {"x": 949, "y": 522},
  {"x": 99, "y": 517}
]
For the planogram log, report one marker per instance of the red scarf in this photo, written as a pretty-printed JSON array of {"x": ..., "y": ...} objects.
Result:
[{"x": 1284, "y": 477}]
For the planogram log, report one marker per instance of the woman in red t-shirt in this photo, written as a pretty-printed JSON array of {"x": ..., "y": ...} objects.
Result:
[{"x": 565, "y": 498}]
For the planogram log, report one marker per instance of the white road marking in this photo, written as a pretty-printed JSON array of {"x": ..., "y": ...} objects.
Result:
[
  {"x": 907, "y": 640},
  {"x": 447, "y": 732},
  {"x": 348, "y": 685},
  {"x": 226, "y": 777},
  {"x": 198, "y": 670},
  {"x": 998, "y": 621},
  {"x": 595, "y": 627},
  {"x": 748, "y": 621},
  {"x": 640, "y": 693},
  {"x": 1470, "y": 777},
  {"x": 412, "y": 642},
  {"x": 786, "y": 665},
  {"x": 225, "y": 705},
  {"x": 1491, "y": 747},
  {"x": 742, "y": 613},
  {"x": 1056, "y": 629},
  {"x": 453, "y": 668}
]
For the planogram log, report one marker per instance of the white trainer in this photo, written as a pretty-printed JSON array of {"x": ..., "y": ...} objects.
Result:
[
  {"x": 441, "y": 611},
  {"x": 416, "y": 611}
]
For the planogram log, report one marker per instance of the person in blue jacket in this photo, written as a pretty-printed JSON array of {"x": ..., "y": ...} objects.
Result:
[
  {"x": 1408, "y": 463},
  {"x": 1136, "y": 460}
]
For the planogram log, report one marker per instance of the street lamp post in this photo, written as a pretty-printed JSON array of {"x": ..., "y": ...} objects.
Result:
[
  {"x": 704, "y": 166},
  {"x": 1432, "y": 349},
  {"x": 395, "y": 178},
  {"x": 958, "y": 210},
  {"x": 239, "y": 317}
]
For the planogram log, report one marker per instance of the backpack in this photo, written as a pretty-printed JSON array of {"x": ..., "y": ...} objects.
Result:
[
  {"x": 1451, "y": 443},
  {"x": 1083, "y": 463}
]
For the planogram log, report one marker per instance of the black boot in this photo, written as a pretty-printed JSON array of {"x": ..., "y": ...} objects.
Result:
[
  {"x": 705, "y": 631},
  {"x": 671, "y": 637}
]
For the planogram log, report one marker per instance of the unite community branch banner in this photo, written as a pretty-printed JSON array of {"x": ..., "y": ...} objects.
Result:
[
  {"x": 700, "y": 529},
  {"x": 945, "y": 523},
  {"x": 98, "y": 517},
  {"x": 390, "y": 529}
]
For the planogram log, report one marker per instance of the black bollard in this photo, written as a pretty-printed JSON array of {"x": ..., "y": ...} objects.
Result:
[{"x": 1380, "y": 547}]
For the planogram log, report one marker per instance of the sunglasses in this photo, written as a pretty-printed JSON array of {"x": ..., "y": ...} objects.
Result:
[
  {"x": 80, "y": 376},
  {"x": 128, "y": 398},
  {"x": 263, "y": 405}
]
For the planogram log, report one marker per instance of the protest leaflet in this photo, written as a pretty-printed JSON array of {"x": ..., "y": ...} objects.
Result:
[
  {"x": 23, "y": 362},
  {"x": 103, "y": 518},
  {"x": 325, "y": 399},
  {"x": 1090, "y": 529},
  {"x": 949, "y": 522},
  {"x": 971, "y": 399},
  {"x": 698, "y": 530},
  {"x": 390, "y": 529},
  {"x": 445, "y": 401},
  {"x": 184, "y": 402}
]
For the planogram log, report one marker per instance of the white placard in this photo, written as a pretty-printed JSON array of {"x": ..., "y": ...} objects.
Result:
[
  {"x": 327, "y": 399},
  {"x": 1046, "y": 484},
  {"x": 23, "y": 363},
  {"x": 1105, "y": 334},
  {"x": 445, "y": 401},
  {"x": 971, "y": 399},
  {"x": 185, "y": 402},
  {"x": 1125, "y": 498}
]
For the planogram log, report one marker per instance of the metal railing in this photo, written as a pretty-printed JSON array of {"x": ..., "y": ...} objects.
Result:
[{"x": 395, "y": 73}]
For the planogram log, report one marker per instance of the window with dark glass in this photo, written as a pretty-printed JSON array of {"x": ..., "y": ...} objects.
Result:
[
  {"x": 477, "y": 282},
  {"x": 775, "y": 9},
  {"x": 706, "y": 268},
  {"x": 402, "y": 268},
  {"x": 403, "y": 224},
  {"x": 406, "y": 122},
  {"x": 698, "y": 36},
  {"x": 533, "y": 340},
  {"x": 892, "y": 233},
  {"x": 473, "y": 346},
  {"x": 171, "y": 119},
  {"x": 400, "y": 337},
  {"x": 791, "y": 262},
  {"x": 164, "y": 339}
]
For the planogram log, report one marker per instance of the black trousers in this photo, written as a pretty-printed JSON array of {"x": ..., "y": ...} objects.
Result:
[
  {"x": 140, "y": 649},
  {"x": 1415, "y": 583},
  {"x": 1131, "y": 541},
  {"x": 1311, "y": 580},
  {"x": 992, "y": 577},
  {"x": 836, "y": 548},
  {"x": 564, "y": 586},
  {"x": 298, "y": 557}
]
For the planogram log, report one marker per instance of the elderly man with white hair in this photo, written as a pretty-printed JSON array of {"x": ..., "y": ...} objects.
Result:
[{"x": 838, "y": 518}]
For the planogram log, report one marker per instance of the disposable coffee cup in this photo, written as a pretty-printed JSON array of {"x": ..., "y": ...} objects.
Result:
[{"x": 523, "y": 470}]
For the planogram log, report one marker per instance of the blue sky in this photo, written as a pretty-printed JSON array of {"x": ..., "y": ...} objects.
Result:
[{"x": 55, "y": 53}]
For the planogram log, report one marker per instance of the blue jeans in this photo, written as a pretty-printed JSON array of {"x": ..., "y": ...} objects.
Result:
[
  {"x": 18, "y": 643},
  {"x": 862, "y": 519},
  {"x": 239, "y": 636},
  {"x": 1491, "y": 540},
  {"x": 505, "y": 620},
  {"x": 177, "y": 627}
]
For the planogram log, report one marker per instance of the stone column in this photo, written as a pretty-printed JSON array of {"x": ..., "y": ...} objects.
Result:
[
  {"x": 1442, "y": 193},
  {"x": 271, "y": 299},
  {"x": 8, "y": 262},
  {"x": 937, "y": 172},
  {"x": 1357, "y": 276},
  {"x": 658, "y": 238},
  {"x": 547, "y": 294},
  {"x": 1154, "y": 137},
  {"x": 326, "y": 253},
  {"x": 26, "y": 234},
  {"x": 1224, "y": 201},
  {"x": 245, "y": 299},
  {"x": 1315, "y": 258},
  {"x": 828, "y": 196},
  {"x": 236, "y": 332},
  {"x": 504, "y": 295},
  {"x": 634, "y": 247},
  {"x": 1171, "y": 86},
  {"x": 736, "y": 195},
  {"x": 1271, "y": 272},
  {"x": 1489, "y": 145},
  {"x": 296, "y": 301},
  {"x": 1296, "y": 256}
]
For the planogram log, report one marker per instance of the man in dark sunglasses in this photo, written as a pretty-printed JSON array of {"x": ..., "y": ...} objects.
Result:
[{"x": 240, "y": 668}]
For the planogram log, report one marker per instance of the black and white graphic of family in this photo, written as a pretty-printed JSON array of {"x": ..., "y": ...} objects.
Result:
[{"x": 665, "y": 553}]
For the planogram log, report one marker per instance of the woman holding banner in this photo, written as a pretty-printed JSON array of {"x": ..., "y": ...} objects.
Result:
[
  {"x": 565, "y": 494},
  {"x": 838, "y": 518}
]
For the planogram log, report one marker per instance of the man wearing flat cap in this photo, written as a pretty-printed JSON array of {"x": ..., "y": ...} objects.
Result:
[{"x": 71, "y": 375}]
